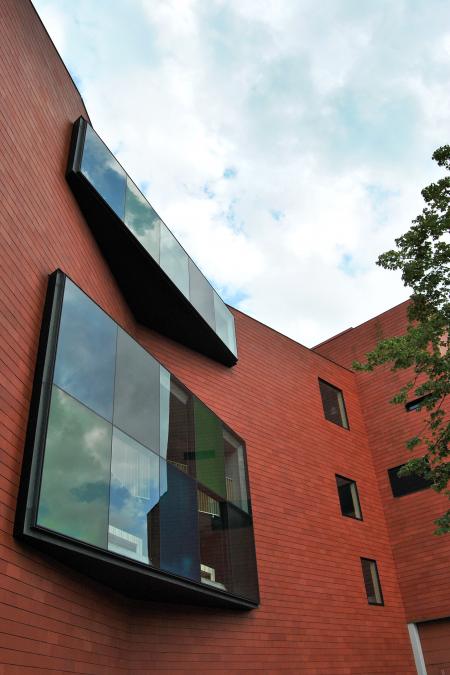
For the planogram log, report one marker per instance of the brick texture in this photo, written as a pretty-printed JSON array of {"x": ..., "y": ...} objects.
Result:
[
  {"x": 314, "y": 617},
  {"x": 421, "y": 557}
]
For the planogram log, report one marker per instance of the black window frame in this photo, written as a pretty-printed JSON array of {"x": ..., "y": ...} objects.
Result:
[
  {"x": 351, "y": 482},
  {"x": 340, "y": 393},
  {"x": 374, "y": 603}
]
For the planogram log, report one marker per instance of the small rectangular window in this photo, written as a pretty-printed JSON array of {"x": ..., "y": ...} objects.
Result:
[
  {"x": 333, "y": 404},
  {"x": 406, "y": 485},
  {"x": 348, "y": 497},
  {"x": 372, "y": 582},
  {"x": 416, "y": 404}
]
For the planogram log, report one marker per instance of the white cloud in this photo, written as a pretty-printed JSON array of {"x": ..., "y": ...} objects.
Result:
[{"x": 327, "y": 114}]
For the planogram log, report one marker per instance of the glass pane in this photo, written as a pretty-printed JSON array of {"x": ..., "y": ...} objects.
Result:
[
  {"x": 174, "y": 260},
  {"x": 371, "y": 581},
  {"x": 224, "y": 323},
  {"x": 201, "y": 294},
  {"x": 177, "y": 442},
  {"x": 74, "y": 492},
  {"x": 209, "y": 450},
  {"x": 215, "y": 567},
  {"x": 142, "y": 219},
  {"x": 242, "y": 553},
  {"x": 235, "y": 474},
  {"x": 333, "y": 404},
  {"x": 104, "y": 172},
  {"x": 179, "y": 541},
  {"x": 134, "y": 493},
  {"x": 85, "y": 360},
  {"x": 136, "y": 400}
]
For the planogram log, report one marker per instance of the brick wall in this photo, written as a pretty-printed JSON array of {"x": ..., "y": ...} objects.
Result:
[
  {"x": 314, "y": 617},
  {"x": 421, "y": 557}
]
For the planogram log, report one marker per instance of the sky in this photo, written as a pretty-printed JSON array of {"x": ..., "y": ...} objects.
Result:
[{"x": 284, "y": 142}]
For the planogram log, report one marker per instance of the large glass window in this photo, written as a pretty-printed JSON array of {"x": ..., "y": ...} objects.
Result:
[
  {"x": 94, "y": 168},
  {"x": 134, "y": 464}
]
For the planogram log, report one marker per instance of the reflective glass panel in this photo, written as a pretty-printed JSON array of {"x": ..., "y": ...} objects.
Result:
[
  {"x": 134, "y": 494},
  {"x": 142, "y": 219},
  {"x": 242, "y": 553},
  {"x": 209, "y": 450},
  {"x": 215, "y": 567},
  {"x": 104, "y": 172},
  {"x": 224, "y": 323},
  {"x": 235, "y": 473},
  {"x": 174, "y": 260},
  {"x": 85, "y": 360},
  {"x": 201, "y": 294},
  {"x": 74, "y": 492},
  {"x": 179, "y": 541},
  {"x": 177, "y": 432},
  {"x": 136, "y": 401}
]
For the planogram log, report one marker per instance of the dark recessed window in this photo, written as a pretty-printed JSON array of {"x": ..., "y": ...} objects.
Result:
[
  {"x": 333, "y": 404},
  {"x": 372, "y": 582},
  {"x": 416, "y": 404},
  {"x": 406, "y": 485},
  {"x": 348, "y": 497}
]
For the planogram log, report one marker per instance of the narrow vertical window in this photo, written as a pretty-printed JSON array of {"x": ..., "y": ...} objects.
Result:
[
  {"x": 372, "y": 582},
  {"x": 348, "y": 497},
  {"x": 333, "y": 404}
]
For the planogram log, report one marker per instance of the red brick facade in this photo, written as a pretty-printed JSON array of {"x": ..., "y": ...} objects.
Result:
[{"x": 314, "y": 617}]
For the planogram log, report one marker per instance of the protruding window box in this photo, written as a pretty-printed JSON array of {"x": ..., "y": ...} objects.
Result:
[
  {"x": 127, "y": 476},
  {"x": 163, "y": 287}
]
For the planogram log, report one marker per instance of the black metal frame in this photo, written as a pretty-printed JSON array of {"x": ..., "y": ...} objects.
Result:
[
  {"x": 154, "y": 299},
  {"x": 132, "y": 578}
]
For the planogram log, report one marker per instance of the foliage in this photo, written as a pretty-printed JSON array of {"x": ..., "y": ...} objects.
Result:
[{"x": 423, "y": 256}]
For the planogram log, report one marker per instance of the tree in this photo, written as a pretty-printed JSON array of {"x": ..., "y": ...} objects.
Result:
[{"x": 423, "y": 256}]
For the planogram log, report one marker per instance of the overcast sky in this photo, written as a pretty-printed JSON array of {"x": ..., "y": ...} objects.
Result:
[{"x": 285, "y": 143}]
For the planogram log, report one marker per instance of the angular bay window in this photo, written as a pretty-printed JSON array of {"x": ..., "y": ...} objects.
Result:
[
  {"x": 125, "y": 467},
  {"x": 333, "y": 404}
]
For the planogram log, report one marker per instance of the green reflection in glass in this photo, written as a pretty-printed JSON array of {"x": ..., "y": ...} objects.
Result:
[
  {"x": 74, "y": 492},
  {"x": 209, "y": 450},
  {"x": 142, "y": 219},
  {"x": 174, "y": 260},
  {"x": 134, "y": 494},
  {"x": 224, "y": 323}
]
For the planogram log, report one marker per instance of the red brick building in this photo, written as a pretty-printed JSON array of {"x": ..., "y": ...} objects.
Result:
[{"x": 337, "y": 594}]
